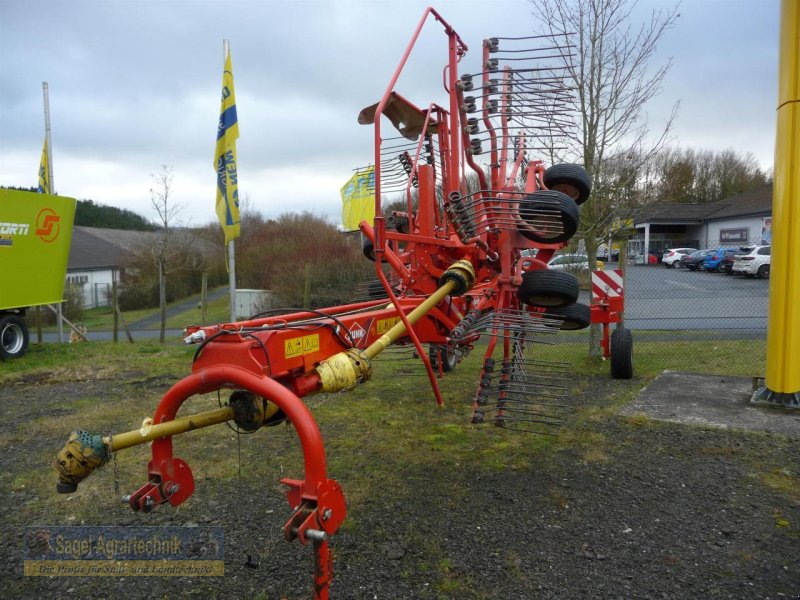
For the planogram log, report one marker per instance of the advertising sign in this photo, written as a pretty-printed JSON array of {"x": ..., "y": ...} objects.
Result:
[
  {"x": 766, "y": 230},
  {"x": 35, "y": 235},
  {"x": 733, "y": 236}
]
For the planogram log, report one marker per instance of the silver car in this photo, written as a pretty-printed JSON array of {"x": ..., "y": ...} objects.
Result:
[{"x": 573, "y": 262}]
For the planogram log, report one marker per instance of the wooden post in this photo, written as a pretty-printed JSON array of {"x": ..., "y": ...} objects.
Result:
[
  {"x": 115, "y": 330},
  {"x": 64, "y": 319},
  {"x": 162, "y": 295},
  {"x": 203, "y": 298},
  {"x": 39, "y": 324},
  {"x": 124, "y": 324}
]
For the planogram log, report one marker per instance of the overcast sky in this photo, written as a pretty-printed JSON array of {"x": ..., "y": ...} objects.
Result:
[{"x": 136, "y": 84}]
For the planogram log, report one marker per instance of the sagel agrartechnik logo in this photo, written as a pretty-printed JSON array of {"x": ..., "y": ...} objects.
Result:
[
  {"x": 48, "y": 225},
  {"x": 95, "y": 551}
]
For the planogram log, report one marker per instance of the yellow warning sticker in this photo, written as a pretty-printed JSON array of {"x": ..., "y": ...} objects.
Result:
[
  {"x": 385, "y": 325},
  {"x": 301, "y": 345}
]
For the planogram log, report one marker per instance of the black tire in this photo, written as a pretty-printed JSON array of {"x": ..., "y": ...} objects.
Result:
[
  {"x": 548, "y": 289},
  {"x": 449, "y": 358},
  {"x": 763, "y": 272},
  {"x": 548, "y": 217},
  {"x": 367, "y": 248},
  {"x": 576, "y": 316},
  {"x": 13, "y": 337},
  {"x": 572, "y": 180},
  {"x": 621, "y": 353}
]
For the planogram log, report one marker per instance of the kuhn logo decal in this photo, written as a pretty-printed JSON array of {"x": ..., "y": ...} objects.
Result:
[{"x": 357, "y": 332}]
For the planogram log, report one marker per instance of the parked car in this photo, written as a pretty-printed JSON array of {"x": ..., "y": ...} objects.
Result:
[
  {"x": 672, "y": 256},
  {"x": 753, "y": 260},
  {"x": 726, "y": 265},
  {"x": 573, "y": 262},
  {"x": 694, "y": 261},
  {"x": 712, "y": 260},
  {"x": 603, "y": 256}
]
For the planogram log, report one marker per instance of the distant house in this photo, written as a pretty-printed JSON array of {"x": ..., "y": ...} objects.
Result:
[
  {"x": 98, "y": 257},
  {"x": 743, "y": 219},
  {"x": 94, "y": 263}
]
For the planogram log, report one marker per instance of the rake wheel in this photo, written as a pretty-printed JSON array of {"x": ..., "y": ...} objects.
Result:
[
  {"x": 622, "y": 353},
  {"x": 575, "y": 316},
  {"x": 572, "y": 180},
  {"x": 449, "y": 357},
  {"x": 548, "y": 217},
  {"x": 548, "y": 289}
]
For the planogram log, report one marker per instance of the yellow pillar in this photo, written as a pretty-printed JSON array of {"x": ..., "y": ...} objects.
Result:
[{"x": 783, "y": 329}]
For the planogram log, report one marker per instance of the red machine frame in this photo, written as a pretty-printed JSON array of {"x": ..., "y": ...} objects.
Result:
[{"x": 445, "y": 277}]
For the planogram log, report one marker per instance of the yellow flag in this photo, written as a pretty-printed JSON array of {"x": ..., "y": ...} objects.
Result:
[
  {"x": 44, "y": 172},
  {"x": 225, "y": 158},
  {"x": 358, "y": 199}
]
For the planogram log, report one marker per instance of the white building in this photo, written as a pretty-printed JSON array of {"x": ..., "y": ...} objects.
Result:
[
  {"x": 743, "y": 219},
  {"x": 94, "y": 263}
]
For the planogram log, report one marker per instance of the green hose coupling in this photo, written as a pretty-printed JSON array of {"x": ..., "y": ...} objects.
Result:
[{"x": 82, "y": 454}]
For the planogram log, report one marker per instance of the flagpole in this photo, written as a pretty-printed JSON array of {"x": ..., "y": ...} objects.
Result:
[
  {"x": 46, "y": 96},
  {"x": 231, "y": 247}
]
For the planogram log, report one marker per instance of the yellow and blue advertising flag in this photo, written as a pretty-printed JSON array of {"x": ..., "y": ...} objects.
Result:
[
  {"x": 44, "y": 172},
  {"x": 225, "y": 158},
  {"x": 358, "y": 199}
]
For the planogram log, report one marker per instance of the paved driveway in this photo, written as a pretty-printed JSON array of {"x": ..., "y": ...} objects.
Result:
[{"x": 660, "y": 298}]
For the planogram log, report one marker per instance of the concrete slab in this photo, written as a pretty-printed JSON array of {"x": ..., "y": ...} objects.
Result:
[{"x": 711, "y": 400}]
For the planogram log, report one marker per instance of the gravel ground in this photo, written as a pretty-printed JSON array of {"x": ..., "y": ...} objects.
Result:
[{"x": 664, "y": 512}]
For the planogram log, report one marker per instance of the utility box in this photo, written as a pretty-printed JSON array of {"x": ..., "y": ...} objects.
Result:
[
  {"x": 252, "y": 302},
  {"x": 35, "y": 236}
]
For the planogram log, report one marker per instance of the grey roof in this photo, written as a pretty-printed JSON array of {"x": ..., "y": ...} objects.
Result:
[
  {"x": 757, "y": 201},
  {"x": 125, "y": 239},
  {"x": 754, "y": 202},
  {"x": 675, "y": 213},
  {"x": 89, "y": 252},
  {"x": 102, "y": 248}
]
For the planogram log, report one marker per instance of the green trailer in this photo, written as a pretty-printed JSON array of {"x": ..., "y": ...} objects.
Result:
[{"x": 35, "y": 236}]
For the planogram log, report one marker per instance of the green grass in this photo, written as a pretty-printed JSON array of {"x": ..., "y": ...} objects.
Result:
[
  {"x": 377, "y": 436},
  {"x": 102, "y": 318},
  {"x": 95, "y": 360},
  {"x": 746, "y": 358}
]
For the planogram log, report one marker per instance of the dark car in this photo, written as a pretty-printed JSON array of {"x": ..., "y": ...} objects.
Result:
[
  {"x": 713, "y": 260},
  {"x": 694, "y": 261},
  {"x": 726, "y": 264}
]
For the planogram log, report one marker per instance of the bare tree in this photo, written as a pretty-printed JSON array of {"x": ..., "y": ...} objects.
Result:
[
  {"x": 167, "y": 210},
  {"x": 608, "y": 64}
]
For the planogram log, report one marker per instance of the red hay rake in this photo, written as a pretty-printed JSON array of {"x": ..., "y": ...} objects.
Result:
[{"x": 462, "y": 266}]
